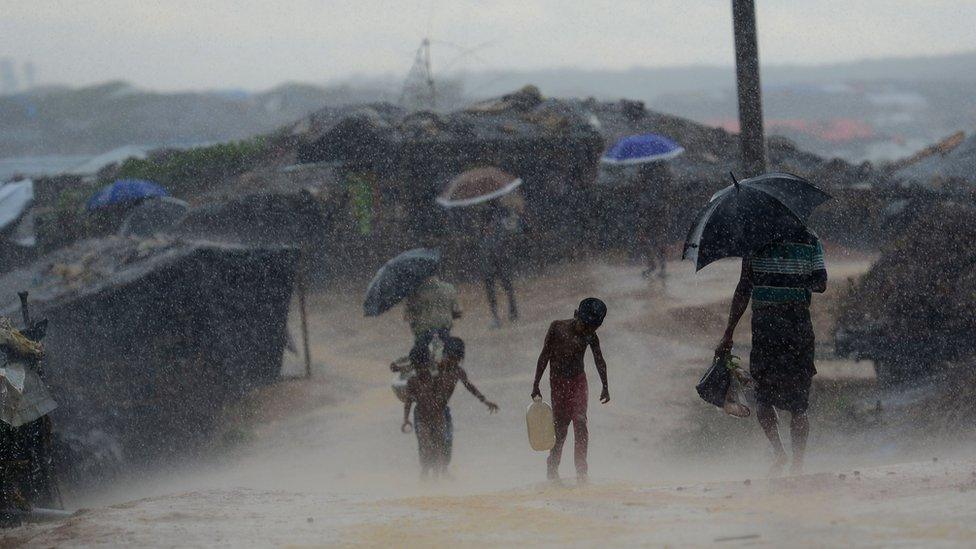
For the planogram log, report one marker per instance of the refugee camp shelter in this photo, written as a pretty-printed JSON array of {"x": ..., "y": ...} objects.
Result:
[
  {"x": 402, "y": 160},
  {"x": 276, "y": 206},
  {"x": 149, "y": 338},
  {"x": 913, "y": 311},
  {"x": 391, "y": 163},
  {"x": 953, "y": 161}
]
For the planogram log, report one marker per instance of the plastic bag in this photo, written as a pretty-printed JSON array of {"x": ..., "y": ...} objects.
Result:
[
  {"x": 723, "y": 384},
  {"x": 713, "y": 387},
  {"x": 735, "y": 402}
]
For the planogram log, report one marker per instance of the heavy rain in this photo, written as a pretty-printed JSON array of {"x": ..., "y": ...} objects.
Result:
[{"x": 535, "y": 273}]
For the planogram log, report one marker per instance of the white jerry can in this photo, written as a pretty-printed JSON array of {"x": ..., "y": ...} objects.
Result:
[{"x": 539, "y": 421}]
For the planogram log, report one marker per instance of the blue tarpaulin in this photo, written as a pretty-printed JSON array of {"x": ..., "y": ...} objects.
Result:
[
  {"x": 125, "y": 191},
  {"x": 638, "y": 149}
]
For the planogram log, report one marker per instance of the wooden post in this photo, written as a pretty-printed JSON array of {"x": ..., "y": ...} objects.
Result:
[
  {"x": 303, "y": 311},
  {"x": 751, "y": 137}
]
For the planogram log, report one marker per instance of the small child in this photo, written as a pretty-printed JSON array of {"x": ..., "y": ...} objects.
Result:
[
  {"x": 431, "y": 394},
  {"x": 563, "y": 351}
]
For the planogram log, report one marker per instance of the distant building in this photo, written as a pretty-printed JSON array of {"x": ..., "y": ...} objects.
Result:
[
  {"x": 30, "y": 75},
  {"x": 8, "y": 77}
]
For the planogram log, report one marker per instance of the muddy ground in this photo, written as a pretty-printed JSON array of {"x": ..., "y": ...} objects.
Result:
[{"x": 322, "y": 461}]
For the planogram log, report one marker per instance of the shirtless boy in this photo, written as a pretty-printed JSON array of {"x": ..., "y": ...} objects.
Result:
[
  {"x": 563, "y": 352},
  {"x": 430, "y": 396}
]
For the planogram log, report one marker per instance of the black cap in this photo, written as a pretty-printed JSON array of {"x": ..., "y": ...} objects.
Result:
[
  {"x": 454, "y": 348},
  {"x": 420, "y": 355},
  {"x": 591, "y": 312}
]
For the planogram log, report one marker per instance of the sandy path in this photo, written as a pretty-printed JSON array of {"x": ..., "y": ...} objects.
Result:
[{"x": 325, "y": 462}]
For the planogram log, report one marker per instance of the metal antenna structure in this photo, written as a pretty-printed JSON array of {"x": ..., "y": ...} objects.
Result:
[{"x": 419, "y": 91}]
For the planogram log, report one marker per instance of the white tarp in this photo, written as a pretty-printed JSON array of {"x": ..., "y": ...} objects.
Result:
[
  {"x": 15, "y": 198},
  {"x": 23, "y": 396},
  {"x": 114, "y": 156},
  {"x": 24, "y": 233}
]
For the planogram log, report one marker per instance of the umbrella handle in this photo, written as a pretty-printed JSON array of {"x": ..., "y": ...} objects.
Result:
[{"x": 24, "y": 311}]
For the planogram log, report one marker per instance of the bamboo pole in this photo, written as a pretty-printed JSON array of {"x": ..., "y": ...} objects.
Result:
[{"x": 303, "y": 312}]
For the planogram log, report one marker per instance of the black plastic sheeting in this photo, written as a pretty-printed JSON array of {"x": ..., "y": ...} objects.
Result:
[{"x": 146, "y": 346}]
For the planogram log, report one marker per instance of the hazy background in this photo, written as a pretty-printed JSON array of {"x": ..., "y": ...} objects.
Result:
[
  {"x": 869, "y": 80},
  {"x": 253, "y": 44}
]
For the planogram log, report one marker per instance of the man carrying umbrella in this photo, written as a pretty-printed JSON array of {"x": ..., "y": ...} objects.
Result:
[
  {"x": 652, "y": 225},
  {"x": 432, "y": 308},
  {"x": 491, "y": 190},
  {"x": 644, "y": 204},
  {"x": 761, "y": 220},
  {"x": 499, "y": 225},
  {"x": 779, "y": 279},
  {"x": 431, "y": 304}
]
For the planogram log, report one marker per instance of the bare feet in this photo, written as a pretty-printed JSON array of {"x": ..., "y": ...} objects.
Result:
[
  {"x": 796, "y": 468},
  {"x": 776, "y": 469},
  {"x": 553, "y": 476}
]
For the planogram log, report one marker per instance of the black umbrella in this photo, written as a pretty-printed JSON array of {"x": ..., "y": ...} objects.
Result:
[
  {"x": 398, "y": 277},
  {"x": 745, "y": 216}
]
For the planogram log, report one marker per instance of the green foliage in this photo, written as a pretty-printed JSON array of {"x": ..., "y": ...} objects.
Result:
[
  {"x": 192, "y": 171},
  {"x": 360, "y": 190},
  {"x": 65, "y": 221}
]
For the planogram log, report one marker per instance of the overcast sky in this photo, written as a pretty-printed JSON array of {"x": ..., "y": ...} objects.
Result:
[{"x": 255, "y": 44}]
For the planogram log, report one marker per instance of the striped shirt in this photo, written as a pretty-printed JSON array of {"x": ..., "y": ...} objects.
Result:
[{"x": 781, "y": 272}]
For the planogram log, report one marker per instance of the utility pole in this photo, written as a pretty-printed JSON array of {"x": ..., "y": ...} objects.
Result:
[{"x": 751, "y": 137}]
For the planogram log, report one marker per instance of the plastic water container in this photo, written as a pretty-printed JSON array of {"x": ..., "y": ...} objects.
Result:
[{"x": 539, "y": 421}]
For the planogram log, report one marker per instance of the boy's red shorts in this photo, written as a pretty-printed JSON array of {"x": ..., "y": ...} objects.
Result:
[{"x": 569, "y": 397}]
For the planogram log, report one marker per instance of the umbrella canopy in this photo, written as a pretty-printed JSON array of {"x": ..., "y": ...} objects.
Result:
[
  {"x": 125, "y": 191},
  {"x": 639, "y": 149},
  {"x": 152, "y": 216},
  {"x": 747, "y": 215},
  {"x": 477, "y": 186},
  {"x": 399, "y": 277}
]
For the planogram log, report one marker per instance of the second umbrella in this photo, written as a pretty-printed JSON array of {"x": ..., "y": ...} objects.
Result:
[
  {"x": 477, "y": 186},
  {"x": 398, "y": 277}
]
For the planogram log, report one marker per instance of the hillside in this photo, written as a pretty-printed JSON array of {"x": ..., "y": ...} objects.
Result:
[
  {"x": 874, "y": 109},
  {"x": 96, "y": 119}
]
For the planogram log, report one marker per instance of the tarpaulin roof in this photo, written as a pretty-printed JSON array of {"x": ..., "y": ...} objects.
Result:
[
  {"x": 92, "y": 266},
  {"x": 371, "y": 132},
  {"x": 957, "y": 163},
  {"x": 15, "y": 198}
]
